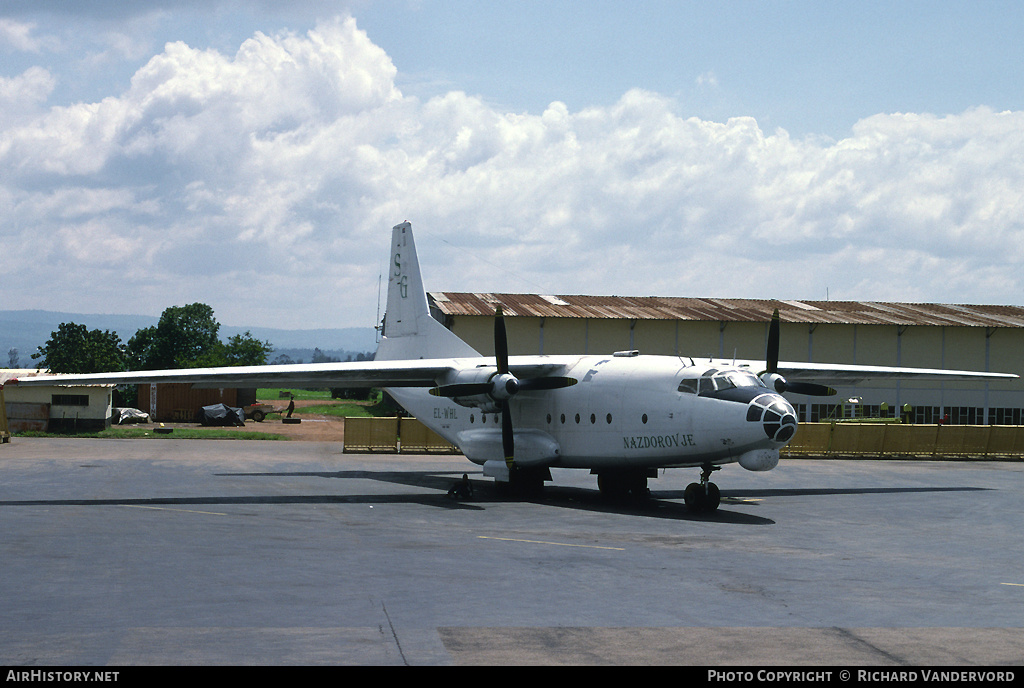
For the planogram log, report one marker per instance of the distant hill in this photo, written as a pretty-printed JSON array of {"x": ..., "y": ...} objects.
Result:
[{"x": 28, "y": 330}]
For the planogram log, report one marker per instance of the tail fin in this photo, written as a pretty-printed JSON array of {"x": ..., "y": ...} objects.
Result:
[{"x": 409, "y": 330}]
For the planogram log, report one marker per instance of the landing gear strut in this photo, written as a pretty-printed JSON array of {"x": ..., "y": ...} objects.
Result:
[{"x": 704, "y": 496}]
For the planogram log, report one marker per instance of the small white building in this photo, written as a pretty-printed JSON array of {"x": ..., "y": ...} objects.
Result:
[{"x": 86, "y": 407}]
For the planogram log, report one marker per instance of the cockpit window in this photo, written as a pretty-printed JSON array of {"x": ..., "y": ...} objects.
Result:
[
  {"x": 714, "y": 380},
  {"x": 689, "y": 386}
]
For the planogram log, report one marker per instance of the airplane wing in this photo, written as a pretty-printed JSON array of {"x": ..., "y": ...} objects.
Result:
[
  {"x": 399, "y": 373},
  {"x": 409, "y": 373},
  {"x": 851, "y": 374}
]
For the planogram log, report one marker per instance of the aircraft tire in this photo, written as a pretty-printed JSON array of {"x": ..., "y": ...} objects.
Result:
[
  {"x": 698, "y": 499},
  {"x": 713, "y": 498},
  {"x": 621, "y": 484},
  {"x": 694, "y": 497},
  {"x": 610, "y": 487},
  {"x": 523, "y": 483}
]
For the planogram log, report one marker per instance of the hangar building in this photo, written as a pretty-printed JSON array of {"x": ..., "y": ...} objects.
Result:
[{"x": 960, "y": 337}]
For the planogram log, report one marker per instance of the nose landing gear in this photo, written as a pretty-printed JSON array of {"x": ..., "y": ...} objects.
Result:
[{"x": 705, "y": 495}]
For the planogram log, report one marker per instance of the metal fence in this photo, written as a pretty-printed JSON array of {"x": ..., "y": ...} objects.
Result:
[
  {"x": 393, "y": 435},
  {"x": 897, "y": 440},
  {"x": 824, "y": 440}
]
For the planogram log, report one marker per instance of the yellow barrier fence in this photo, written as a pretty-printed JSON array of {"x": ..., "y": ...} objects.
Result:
[
  {"x": 393, "y": 435},
  {"x": 818, "y": 440},
  {"x": 891, "y": 440},
  {"x": 5, "y": 430}
]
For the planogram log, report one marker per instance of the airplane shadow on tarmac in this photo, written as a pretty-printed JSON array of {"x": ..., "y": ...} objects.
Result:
[
  {"x": 484, "y": 492},
  {"x": 661, "y": 504}
]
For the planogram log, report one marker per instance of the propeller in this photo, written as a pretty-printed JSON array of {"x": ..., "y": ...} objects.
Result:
[
  {"x": 508, "y": 443},
  {"x": 771, "y": 376},
  {"x": 502, "y": 386}
]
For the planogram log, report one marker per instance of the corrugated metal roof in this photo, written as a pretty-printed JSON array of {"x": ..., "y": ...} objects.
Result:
[{"x": 728, "y": 310}]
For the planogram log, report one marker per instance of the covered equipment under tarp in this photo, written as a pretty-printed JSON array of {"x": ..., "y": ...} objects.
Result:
[
  {"x": 123, "y": 416},
  {"x": 221, "y": 414}
]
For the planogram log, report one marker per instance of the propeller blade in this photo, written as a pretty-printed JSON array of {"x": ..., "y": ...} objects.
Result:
[
  {"x": 500, "y": 342},
  {"x": 810, "y": 389},
  {"x": 771, "y": 376},
  {"x": 507, "y": 440},
  {"x": 772, "y": 354},
  {"x": 508, "y": 443},
  {"x": 544, "y": 383}
]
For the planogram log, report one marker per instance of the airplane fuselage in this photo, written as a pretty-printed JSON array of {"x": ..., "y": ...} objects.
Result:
[{"x": 626, "y": 412}]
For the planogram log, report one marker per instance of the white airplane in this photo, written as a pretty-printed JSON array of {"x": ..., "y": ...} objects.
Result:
[{"x": 622, "y": 416}]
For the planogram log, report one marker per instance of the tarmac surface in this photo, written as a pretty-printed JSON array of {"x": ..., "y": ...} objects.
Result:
[{"x": 203, "y": 552}]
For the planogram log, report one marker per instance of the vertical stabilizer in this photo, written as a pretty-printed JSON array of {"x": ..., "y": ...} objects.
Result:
[{"x": 409, "y": 330}]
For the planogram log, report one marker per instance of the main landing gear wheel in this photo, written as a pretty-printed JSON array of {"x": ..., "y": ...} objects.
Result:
[
  {"x": 618, "y": 485},
  {"x": 523, "y": 482},
  {"x": 703, "y": 496}
]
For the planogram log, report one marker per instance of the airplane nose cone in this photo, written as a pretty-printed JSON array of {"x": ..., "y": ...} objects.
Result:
[{"x": 776, "y": 415}]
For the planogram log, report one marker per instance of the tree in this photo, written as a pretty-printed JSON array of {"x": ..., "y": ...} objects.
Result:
[
  {"x": 12, "y": 357},
  {"x": 187, "y": 337},
  {"x": 244, "y": 349},
  {"x": 240, "y": 350},
  {"x": 183, "y": 336},
  {"x": 320, "y": 357},
  {"x": 75, "y": 349}
]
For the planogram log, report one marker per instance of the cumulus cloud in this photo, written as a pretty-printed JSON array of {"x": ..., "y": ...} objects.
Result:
[
  {"x": 286, "y": 163},
  {"x": 22, "y": 37}
]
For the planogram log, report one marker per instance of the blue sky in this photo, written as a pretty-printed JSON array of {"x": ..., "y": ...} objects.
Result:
[
  {"x": 868, "y": 150},
  {"x": 808, "y": 67}
]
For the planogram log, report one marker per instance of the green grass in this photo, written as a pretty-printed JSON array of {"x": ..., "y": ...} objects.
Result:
[
  {"x": 339, "y": 408},
  {"x": 273, "y": 394},
  {"x": 349, "y": 409}
]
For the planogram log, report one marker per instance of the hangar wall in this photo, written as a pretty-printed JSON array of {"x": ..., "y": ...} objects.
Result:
[{"x": 996, "y": 346}]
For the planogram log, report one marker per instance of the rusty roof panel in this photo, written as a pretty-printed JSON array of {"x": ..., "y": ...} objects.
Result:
[{"x": 729, "y": 310}]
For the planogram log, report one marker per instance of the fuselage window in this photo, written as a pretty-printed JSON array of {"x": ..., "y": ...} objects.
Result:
[
  {"x": 577, "y": 419},
  {"x": 609, "y": 418},
  {"x": 644, "y": 419},
  {"x": 593, "y": 419}
]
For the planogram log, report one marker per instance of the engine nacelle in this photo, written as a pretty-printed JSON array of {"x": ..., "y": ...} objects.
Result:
[
  {"x": 533, "y": 447},
  {"x": 760, "y": 459},
  {"x": 488, "y": 388}
]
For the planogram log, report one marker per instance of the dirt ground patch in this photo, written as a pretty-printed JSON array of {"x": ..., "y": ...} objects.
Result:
[{"x": 314, "y": 427}]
